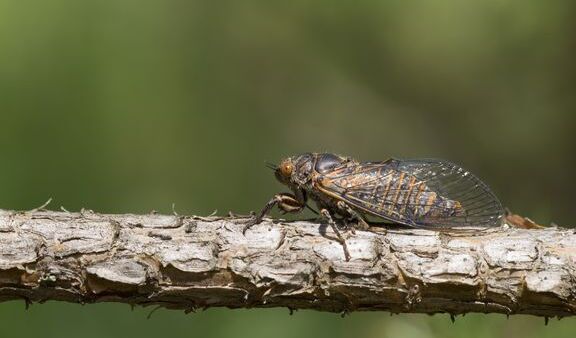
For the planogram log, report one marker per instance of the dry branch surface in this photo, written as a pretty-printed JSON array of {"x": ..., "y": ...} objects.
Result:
[{"x": 189, "y": 262}]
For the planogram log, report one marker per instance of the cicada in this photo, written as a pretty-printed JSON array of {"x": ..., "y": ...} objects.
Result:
[{"x": 420, "y": 193}]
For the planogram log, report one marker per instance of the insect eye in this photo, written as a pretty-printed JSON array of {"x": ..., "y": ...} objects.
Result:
[{"x": 286, "y": 169}]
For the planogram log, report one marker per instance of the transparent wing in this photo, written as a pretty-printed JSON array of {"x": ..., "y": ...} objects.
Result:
[
  {"x": 418, "y": 192},
  {"x": 480, "y": 205}
]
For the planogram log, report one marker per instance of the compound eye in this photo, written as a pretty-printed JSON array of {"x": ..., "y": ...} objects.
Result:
[{"x": 286, "y": 168}]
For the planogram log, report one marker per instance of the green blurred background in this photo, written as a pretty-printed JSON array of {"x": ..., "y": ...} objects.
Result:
[{"x": 128, "y": 106}]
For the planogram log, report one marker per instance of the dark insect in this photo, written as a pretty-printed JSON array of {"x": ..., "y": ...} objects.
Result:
[{"x": 421, "y": 193}]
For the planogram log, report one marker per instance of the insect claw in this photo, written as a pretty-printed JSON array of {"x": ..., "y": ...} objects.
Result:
[{"x": 250, "y": 223}]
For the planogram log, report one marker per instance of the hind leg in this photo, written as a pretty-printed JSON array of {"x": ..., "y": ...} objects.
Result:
[{"x": 361, "y": 222}]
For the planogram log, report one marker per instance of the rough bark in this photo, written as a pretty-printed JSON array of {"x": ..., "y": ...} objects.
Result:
[{"x": 188, "y": 262}]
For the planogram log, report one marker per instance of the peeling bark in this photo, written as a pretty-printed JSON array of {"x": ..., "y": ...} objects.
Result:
[{"x": 188, "y": 262}]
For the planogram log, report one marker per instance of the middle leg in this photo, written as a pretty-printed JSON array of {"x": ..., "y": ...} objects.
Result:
[{"x": 326, "y": 214}]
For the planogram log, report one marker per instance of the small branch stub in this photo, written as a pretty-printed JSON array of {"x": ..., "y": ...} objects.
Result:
[{"x": 188, "y": 262}]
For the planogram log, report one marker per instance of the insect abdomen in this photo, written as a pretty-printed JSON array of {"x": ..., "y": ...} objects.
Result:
[
  {"x": 404, "y": 195},
  {"x": 392, "y": 192}
]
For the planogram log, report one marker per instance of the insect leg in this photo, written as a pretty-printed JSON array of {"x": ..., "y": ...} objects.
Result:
[
  {"x": 286, "y": 202},
  {"x": 361, "y": 221},
  {"x": 326, "y": 214}
]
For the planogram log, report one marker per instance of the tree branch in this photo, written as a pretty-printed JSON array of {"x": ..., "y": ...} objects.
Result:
[{"x": 189, "y": 262}]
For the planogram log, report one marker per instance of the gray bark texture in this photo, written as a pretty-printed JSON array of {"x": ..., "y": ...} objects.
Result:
[{"x": 190, "y": 262}]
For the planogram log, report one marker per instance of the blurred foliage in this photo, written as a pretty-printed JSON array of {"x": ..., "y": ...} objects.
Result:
[{"x": 132, "y": 105}]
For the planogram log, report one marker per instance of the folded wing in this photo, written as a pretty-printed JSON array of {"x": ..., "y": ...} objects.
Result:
[{"x": 417, "y": 193}]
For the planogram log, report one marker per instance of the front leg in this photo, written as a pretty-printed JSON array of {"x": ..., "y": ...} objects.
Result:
[{"x": 286, "y": 202}]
